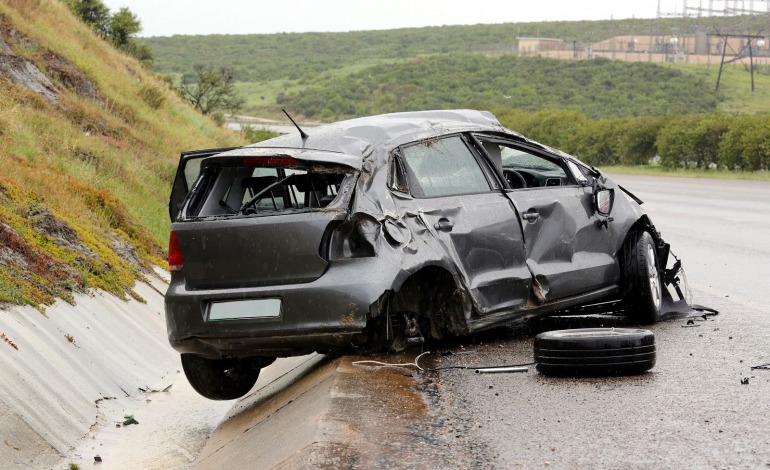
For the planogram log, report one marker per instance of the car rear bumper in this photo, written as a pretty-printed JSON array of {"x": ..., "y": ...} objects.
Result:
[{"x": 321, "y": 315}]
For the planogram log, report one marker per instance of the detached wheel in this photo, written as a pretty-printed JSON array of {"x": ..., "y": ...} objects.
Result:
[
  {"x": 218, "y": 379},
  {"x": 642, "y": 284},
  {"x": 595, "y": 352}
]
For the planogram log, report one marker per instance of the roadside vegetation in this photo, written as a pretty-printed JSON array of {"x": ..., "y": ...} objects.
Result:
[
  {"x": 703, "y": 142},
  {"x": 87, "y": 156},
  {"x": 120, "y": 28}
]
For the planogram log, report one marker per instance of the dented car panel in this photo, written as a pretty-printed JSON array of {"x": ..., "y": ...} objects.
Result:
[
  {"x": 367, "y": 230},
  {"x": 566, "y": 244}
]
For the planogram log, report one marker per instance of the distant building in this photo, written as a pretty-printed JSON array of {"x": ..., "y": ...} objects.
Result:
[
  {"x": 534, "y": 46},
  {"x": 699, "y": 44}
]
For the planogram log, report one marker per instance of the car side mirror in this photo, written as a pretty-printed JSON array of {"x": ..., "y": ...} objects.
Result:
[{"x": 603, "y": 200}]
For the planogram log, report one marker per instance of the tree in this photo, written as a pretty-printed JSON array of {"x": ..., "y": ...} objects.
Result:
[
  {"x": 119, "y": 28},
  {"x": 93, "y": 13},
  {"x": 211, "y": 91},
  {"x": 123, "y": 26}
]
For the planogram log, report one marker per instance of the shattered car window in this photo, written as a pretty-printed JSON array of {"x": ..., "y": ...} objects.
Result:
[
  {"x": 191, "y": 172},
  {"x": 444, "y": 167},
  {"x": 227, "y": 189},
  {"x": 517, "y": 159}
]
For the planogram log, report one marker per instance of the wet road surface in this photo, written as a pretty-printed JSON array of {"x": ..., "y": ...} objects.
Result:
[{"x": 691, "y": 410}]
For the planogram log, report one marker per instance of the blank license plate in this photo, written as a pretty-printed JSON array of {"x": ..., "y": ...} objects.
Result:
[{"x": 245, "y": 309}]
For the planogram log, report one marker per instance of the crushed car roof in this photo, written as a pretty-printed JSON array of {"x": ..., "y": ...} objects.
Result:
[
  {"x": 307, "y": 155},
  {"x": 359, "y": 136}
]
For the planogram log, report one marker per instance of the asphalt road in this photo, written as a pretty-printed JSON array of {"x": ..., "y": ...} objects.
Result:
[{"x": 691, "y": 410}]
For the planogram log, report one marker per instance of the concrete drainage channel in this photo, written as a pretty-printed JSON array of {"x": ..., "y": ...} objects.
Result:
[
  {"x": 329, "y": 413},
  {"x": 345, "y": 412}
]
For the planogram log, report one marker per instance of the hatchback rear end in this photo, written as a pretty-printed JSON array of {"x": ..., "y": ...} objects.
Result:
[{"x": 264, "y": 259}]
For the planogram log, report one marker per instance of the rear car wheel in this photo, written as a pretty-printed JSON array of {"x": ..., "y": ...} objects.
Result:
[
  {"x": 642, "y": 282},
  {"x": 219, "y": 379},
  {"x": 595, "y": 352}
]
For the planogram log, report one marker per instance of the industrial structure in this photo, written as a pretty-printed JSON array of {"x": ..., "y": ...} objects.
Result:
[{"x": 728, "y": 38}]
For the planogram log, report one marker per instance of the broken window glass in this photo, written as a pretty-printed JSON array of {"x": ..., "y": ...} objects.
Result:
[{"x": 443, "y": 168}]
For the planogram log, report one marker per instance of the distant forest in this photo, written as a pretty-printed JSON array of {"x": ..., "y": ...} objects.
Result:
[{"x": 262, "y": 57}]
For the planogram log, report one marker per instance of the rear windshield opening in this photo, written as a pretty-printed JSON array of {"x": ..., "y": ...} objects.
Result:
[{"x": 250, "y": 190}]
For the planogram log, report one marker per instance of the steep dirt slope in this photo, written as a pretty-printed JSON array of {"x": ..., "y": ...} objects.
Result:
[{"x": 88, "y": 145}]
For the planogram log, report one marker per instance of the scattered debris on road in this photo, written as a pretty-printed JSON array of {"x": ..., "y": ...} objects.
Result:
[
  {"x": 478, "y": 369},
  {"x": 152, "y": 390},
  {"x": 7, "y": 340},
  {"x": 501, "y": 369},
  {"x": 129, "y": 420},
  {"x": 387, "y": 364}
]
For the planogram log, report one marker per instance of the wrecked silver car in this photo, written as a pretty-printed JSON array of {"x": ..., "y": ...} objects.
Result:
[{"x": 370, "y": 231}]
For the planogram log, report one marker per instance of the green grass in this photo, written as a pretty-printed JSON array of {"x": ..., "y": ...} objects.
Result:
[
  {"x": 261, "y": 96},
  {"x": 100, "y": 165},
  {"x": 735, "y": 92},
  {"x": 655, "y": 170}
]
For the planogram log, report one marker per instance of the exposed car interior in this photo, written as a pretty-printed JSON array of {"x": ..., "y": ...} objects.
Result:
[
  {"x": 247, "y": 190},
  {"x": 523, "y": 169}
]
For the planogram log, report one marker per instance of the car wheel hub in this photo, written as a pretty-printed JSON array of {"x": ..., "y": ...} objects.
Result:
[{"x": 654, "y": 277}]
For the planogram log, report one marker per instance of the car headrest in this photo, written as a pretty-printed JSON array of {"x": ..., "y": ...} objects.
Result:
[{"x": 258, "y": 183}]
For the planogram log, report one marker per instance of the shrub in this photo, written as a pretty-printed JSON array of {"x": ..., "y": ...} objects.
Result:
[{"x": 152, "y": 96}]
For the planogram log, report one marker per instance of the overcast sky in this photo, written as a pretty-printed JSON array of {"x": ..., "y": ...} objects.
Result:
[{"x": 169, "y": 17}]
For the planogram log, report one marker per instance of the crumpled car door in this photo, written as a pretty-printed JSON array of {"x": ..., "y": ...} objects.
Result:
[{"x": 569, "y": 251}]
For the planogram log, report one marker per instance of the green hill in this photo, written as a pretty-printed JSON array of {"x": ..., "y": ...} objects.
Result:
[
  {"x": 88, "y": 147},
  {"x": 329, "y": 76},
  {"x": 598, "y": 89}
]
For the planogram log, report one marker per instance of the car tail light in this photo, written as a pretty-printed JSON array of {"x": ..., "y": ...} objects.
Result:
[
  {"x": 270, "y": 161},
  {"x": 174, "y": 254}
]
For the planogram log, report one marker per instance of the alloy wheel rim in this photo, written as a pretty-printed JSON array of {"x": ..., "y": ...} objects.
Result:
[{"x": 652, "y": 271}]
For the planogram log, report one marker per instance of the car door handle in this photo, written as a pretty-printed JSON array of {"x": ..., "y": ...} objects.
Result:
[
  {"x": 444, "y": 225},
  {"x": 531, "y": 215}
]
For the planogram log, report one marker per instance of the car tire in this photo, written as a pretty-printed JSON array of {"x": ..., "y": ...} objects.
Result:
[
  {"x": 595, "y": 352},
  {"x": 642, "y": 282},
  {"x": 218, "y": 379}
]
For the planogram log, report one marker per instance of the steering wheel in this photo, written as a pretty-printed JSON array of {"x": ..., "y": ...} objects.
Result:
[{"x": 515, "y": 180}]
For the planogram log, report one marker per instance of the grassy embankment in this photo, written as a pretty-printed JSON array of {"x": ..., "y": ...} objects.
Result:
[{"x": 85, "y": 177}]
